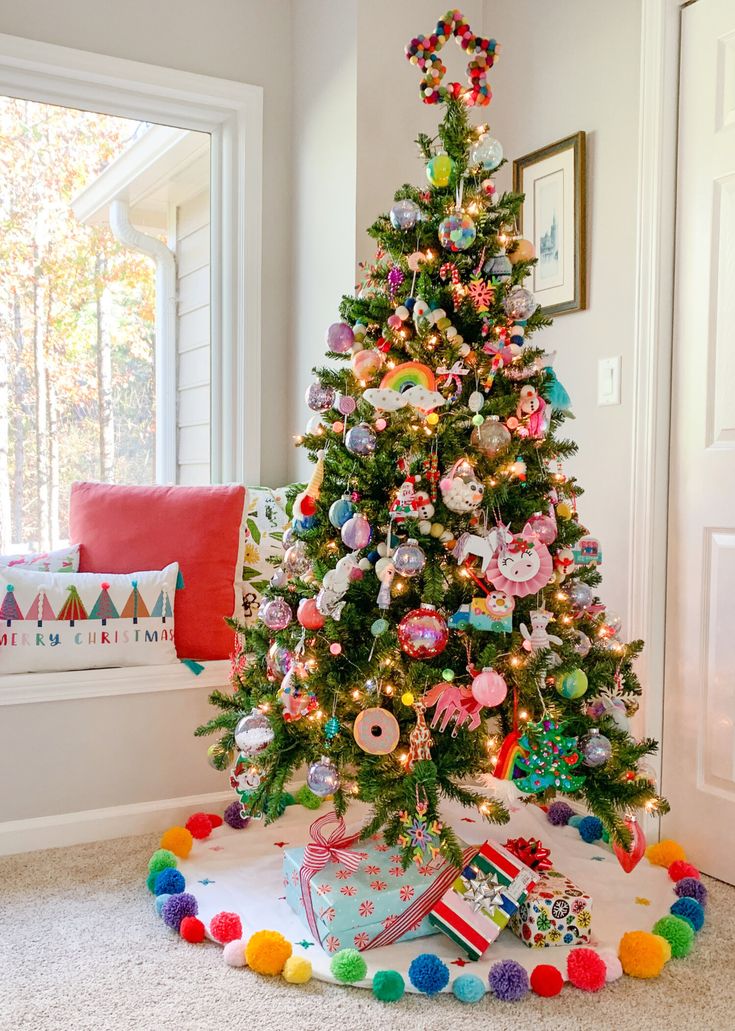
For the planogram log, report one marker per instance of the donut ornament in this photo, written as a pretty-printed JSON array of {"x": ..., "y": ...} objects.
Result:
[{"x": 376, "y": 731}]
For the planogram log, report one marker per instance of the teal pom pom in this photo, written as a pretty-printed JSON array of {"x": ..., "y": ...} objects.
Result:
[
  {"x": 574, "y": 821},
  {"x": 468, "y": 988},
  {"x": 306, "y": 797},
  {"x": 150, "y": 881},
  {"x": 388, "y": 986},
  {"x": 590, "y": 829},
  {"x": 677, "y": 932},
  {"x": 348, "y": 966},
  {"x": 162, "y": 859},
  {"x": 428, "y": 974},
  {"x": 287, "y": 799},
  {"x": 689, "y": 909},
  {"x": 161, "y": 900}
]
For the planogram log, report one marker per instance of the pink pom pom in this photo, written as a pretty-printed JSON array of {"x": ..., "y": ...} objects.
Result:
[
  {"x": 586, "y": 970},
  {"x": 234, "y": 953},
  {"x": 199, "y": 825},
  {"x": 225, "y": 927},
  {"x": 446, "y": 483},
  {"x": 612, "y": 963},
  {"x": 680, "y": 868}
]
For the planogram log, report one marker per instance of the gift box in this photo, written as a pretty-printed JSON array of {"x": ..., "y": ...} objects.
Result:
[
  {"x": 356, "y": 894},
  {"x": 556, "y": 912},
  {"x": 481, "y": 901}
]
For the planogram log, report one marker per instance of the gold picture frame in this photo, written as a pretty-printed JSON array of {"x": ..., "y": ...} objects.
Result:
[{"x": 554, "y": 218}]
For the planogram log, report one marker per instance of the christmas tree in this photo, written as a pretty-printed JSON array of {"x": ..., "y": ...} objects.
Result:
[
  {"x": 40, "y": 609},
  {"x": 135, "y": 608},
  {"x": 73, "y": 608},
  {"x": 104, "y": 607},
  {"x": 434, "y": 609},
  {"x": 9, "y": 609}
]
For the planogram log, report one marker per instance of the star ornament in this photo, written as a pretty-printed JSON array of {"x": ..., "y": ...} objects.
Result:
[{"x": 424, "y": 52}]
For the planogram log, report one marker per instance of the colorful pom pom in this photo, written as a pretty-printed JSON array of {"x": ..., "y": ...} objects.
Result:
[
  {"x": 267, "y": 952},
  {"x": 680, "y": 869},
  {"x": 199, "y": 826},
  {"x": 692, "y": 888},
  {"x": 508, "y": 980},
  {"x": 689, "y": 909},
  {"x": 225, "y": 927},
  {"x": 546, "y": 980},
  {"x": 161, "y": 901},
  {"x": 297, "y": 970},
  {"x": 559, "y": 814},
  {"x": 613, "y": 966},
  {"x": 586, "y": 970},
  {"x": 348, "y": 966},
  {"x": 234, "y": 817},
  {"x": 169, "y": 882},
  {"x": 150, "y": 881},
  {"x": 468, "y": 988},
  {"x": 178, "y": 840},
  {"x": 306, "y": 797},
  {"x": 642, "y": 954},
  {"x": 234, "y": 953},
  {"x": 215, "y": 820},
  {"x": 161, "y": 859},
  {"x": 428, "y": 974},
  {"x": 388, "y": 986},
  {"x": 177, "y": 907},
  {"x": 665, "y": 852},
  {"x": 191, "y": 929},
  {"x": 590, "y": 829},
  {"x": 677, "y": 932},
  {"x": 574, "y": 821}
]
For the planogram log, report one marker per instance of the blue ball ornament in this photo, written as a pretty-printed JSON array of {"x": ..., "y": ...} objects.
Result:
[
  {"x": 169, "y": 882},
  {"x": 590, "y": 829},
  {"x": 340, "y": 511},
  {"x": 468, "y": 988},
  {"x": 428, "y": 974}
]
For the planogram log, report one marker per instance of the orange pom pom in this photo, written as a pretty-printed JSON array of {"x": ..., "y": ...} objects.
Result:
[
  {"x": 643, "y": 954},
  {"x": 665, "y": 852},
  {"x": 177, "y": 840},
  {"x": 267, "y": 952}
]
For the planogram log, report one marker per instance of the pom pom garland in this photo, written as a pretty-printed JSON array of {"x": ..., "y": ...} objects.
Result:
[
  {"x": 689, "y": 909},
  {"x": 225, "y": 927},
  {"x": 348, "y": 966},
  {"x": 468, "y": 988},
  {"x": 162, "y": 859},
  {"x": 161, "y": 901},
  {"x": 191, "y": 929},
  {"x": 546, "y": 980},
  {"x": 199, "y": 826},
  {"x": 234, "y": 817},
  {"x": 508, "y": 980},
  {"x": 559, "y": 814},
  {"x": 692, "y": 888},
  {"x": 590, "y": 829},
  {"x": 678, "y": 933},
  {"x": 169, "y": 882},
  {"x": 177, "y": 907},
  {"x": 680, "y": 869},
  {"x": 428, "y": 974},
  {"x": 642, "y": 954},
  {"x": 267, "y": 952},
  {"x": 665, "y": 852},
  {"x": 586, "y": 970},
  {"x": 177, "y": 840},
  {"x": 234, "y": 953},
  {"x": 297, "y": 970},
  {"x": 388, "y": 986}
]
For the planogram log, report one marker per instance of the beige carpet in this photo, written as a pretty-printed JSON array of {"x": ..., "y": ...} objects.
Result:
[{"x": 81, "y": 949}]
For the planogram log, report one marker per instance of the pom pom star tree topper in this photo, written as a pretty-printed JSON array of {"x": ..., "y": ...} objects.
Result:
[{"x": 437, "y": 527}]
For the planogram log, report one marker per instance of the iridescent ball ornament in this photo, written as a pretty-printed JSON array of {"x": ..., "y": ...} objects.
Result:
[
  {"x": 356, "y": 532},
  {"x": 543, "y": 526},
  {"x": 487, "y": 152},
  {"x": 340, "y": 338},
  {"x": 596, "y": 748},
  {"x": 323, "y": 777},
  {"x": 581, "y": 595},
  {"x": 320, "y": 398},
  {"x": 409, "y": 559},
  {"x": 276, "y": 614},
  {"x": 457, "y": 232},
  {"x": 253, "y": 733},
  {"x": 296, "y": 561},
  {"x": 492, "y": 437},
  {"x": 340, "y": 511},
  {"x": 423, "y": 633},
  {"x": 520, "y": 303},
  {"x": 278, "y": 661},
  {"x": 572, "y": 685},
  {"x": 404, "y": 214},
  {"x": 489, "y": 687},
  {"x": 361, "y": 440}
]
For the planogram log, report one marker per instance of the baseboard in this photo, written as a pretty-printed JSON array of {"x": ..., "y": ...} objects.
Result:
[{"x": 119, "y": 821}]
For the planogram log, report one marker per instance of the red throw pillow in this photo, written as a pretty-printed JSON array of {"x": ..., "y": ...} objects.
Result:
[{"x": 122, "y": 529}]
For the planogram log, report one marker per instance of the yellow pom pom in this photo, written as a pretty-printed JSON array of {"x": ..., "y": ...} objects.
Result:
[
  {"x": 432, "y": 418},
  {"x": 267, "y": 952},
  {"x": 643, "y": 954},
  {"x": 564, "y": 510},
  {"x": 297, "y": 970},
  {"x": 177, "y": 840},
  {"x": 407, "y": 698},
  {"x": 665, "y": 852}
]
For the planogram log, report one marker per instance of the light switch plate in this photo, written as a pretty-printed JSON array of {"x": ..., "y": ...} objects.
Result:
[{"x": 608, "y": 381}]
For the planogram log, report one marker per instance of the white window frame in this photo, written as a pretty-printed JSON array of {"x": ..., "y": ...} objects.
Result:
[{"x": 232, "y": 112}]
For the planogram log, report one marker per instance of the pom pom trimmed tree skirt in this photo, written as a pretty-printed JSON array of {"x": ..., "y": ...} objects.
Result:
[{"x": 240, "y": 871}]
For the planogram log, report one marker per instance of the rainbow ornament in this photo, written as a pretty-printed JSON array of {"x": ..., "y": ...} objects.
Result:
[
  {"x": 407, "y": 375},
  {"x": 507, "y": 766}
]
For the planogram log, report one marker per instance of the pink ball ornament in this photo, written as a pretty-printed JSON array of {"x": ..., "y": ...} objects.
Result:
[
  {"x": 489, "y": 688},
  {"x": 309, "y": 615},
  {"x": 544, "y": 527},
  {"x": 276, "y": 614},
  {"x": 340, "y": 337}
]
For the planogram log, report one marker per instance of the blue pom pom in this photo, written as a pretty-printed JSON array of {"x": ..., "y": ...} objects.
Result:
[
  {"x": 428, "y": 974},
  {"x": 169, "y": 882},
  {"x": 590, "y": 829},
  {"x": 508, "y": 980},
  {"x": 161, "y": 901},
  {"x": 689, "y": 909},
  {"x": 468, "y": 988},
  {"x": 410, "y": 303},
  {"x": 574, "y": 821}
]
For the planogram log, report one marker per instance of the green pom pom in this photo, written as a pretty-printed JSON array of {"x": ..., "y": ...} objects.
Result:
[
  {"x": 388, "y": 986},
  {"x": 306, "y": 797},
  {"x": 150, "y": 881},
  {"x": 161, "y": 859},
  {"x": 348, "y": 966},
  {"x": 677, "y": 932}
]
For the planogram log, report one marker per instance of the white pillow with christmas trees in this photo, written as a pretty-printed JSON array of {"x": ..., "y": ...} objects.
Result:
[{"x": 67, "y": 621}]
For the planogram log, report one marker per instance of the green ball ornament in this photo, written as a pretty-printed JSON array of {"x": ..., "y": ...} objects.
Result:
[
  {"x": 572, "y": 685},
  {"x": 448, "y": 675},
  {"x": 439, "y": 170}
]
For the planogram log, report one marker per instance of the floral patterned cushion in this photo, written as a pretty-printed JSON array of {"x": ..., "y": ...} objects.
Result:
[{"x": 264, "y": 521}]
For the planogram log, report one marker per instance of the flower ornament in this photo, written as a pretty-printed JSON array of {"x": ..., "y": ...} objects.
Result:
[{"x": 424, "y": 52}]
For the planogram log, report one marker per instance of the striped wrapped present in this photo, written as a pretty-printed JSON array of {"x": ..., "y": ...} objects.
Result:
[{"x": 483, "y": 898}]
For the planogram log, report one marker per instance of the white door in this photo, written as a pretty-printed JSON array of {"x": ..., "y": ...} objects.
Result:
[{"x": 699, "y": 718}]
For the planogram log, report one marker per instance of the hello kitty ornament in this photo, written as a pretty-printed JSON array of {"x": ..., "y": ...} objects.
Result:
[
  {"x": 521, "y": 567},
  {"x": 531, "y": 411},
  {"x": 461, "y": 490},
  {"x": 538, "y": 637}
]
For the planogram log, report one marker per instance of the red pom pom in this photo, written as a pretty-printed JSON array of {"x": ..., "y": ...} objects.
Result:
[
  {"x": 308, "y": 505},
  {"x": 191, "y": 929},
  {"x": 546, "y": 980},
  {"x": 680, "y": 868},
  {"x": 226, "y": 927},
  {"x": 199, "y": 826},
  {"x": 586, "y": 970},
  {"x": 215, "y": 820}
]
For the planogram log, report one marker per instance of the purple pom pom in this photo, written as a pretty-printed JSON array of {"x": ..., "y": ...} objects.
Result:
[
  {"x": 508, "y": 980},
  {"x": 177, "y": 907},
  {"x": 691, "y": 888},
  {"x": 559, "y": 814},
  {"x": 234, "y": 818}
]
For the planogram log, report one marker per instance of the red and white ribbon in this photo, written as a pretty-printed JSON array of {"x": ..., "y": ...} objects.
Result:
[{"x": 320, "y": 851}]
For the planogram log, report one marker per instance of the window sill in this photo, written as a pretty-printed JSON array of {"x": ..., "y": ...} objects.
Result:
[{"x": 24, "y": 688}]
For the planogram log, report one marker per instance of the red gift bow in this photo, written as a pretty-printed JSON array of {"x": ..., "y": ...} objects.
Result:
[
  {"x": 322, "y": 850},
  {"x": 531, "y": 852}
]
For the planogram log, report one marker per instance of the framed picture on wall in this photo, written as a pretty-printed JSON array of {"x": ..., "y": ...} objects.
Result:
[{"x": 553, "y": 218}]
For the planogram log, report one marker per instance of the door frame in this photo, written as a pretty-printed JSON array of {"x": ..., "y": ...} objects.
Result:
[{"x": 653, "y": 349}]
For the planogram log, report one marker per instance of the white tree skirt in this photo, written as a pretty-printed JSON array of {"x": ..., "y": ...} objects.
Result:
[{"x": 240, "y": 872}]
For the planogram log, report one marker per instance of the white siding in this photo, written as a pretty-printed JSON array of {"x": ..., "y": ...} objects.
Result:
[{"x": 194, "y": 359}]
